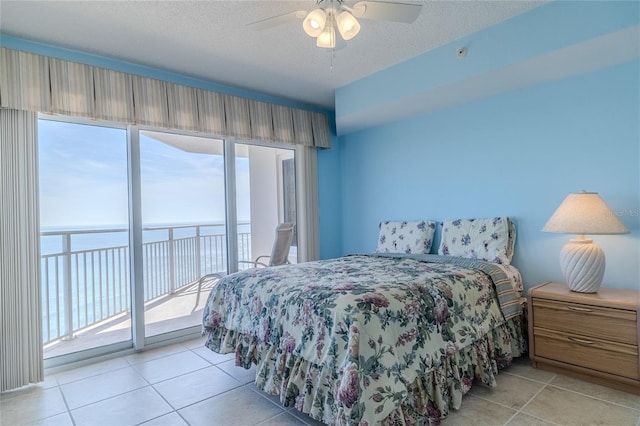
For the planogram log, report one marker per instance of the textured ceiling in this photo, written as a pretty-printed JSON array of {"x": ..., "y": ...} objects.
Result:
[{"x": 209, "y": 40}]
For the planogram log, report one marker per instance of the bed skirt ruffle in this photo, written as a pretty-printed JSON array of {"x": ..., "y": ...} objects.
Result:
[{"x": 312, "y": 389}]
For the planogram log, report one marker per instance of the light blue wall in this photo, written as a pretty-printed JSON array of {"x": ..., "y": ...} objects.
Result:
[
  {"x": 517, "y": 154},
  {"x": 551, "y": 28},
  {"x": 330, "y": 198}
]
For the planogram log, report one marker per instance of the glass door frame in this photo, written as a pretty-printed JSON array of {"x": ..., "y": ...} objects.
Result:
[
  {"x": 138, "y": 339},
  {"x": 123, "y": 346}
]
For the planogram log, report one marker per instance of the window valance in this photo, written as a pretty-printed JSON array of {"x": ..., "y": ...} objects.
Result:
[{"x": 39, "y": 83}]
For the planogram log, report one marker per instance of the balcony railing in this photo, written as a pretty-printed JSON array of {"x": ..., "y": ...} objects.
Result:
[{"x": 85, "y": 273}]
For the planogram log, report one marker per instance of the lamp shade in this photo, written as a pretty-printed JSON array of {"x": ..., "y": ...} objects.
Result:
[
  {"x": 581, "y": 260},
  {"x": 314, "y": 23},
  {"x": 348, "y": 25},
  {"x": 327, "y": 38},
  {"x": 584, "y": 213}
]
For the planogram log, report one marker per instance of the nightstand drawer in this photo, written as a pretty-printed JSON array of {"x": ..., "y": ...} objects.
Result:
[
  {"x": 609, "y": 357},
  {"x": 594, "y": 321}
]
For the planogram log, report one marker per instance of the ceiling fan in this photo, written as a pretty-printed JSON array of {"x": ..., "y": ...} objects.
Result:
[{"x": 331, "y": 15}]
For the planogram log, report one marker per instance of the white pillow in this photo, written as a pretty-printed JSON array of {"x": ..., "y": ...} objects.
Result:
[
  {"x": 405, "y": 237},
  {"x": 490, "y": 239}
]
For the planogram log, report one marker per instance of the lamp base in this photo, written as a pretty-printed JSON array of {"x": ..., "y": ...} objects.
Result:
[{"x": 582, "y": 263}]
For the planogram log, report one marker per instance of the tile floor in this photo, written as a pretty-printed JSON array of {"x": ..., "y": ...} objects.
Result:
[{"x": 186, "y": 384}]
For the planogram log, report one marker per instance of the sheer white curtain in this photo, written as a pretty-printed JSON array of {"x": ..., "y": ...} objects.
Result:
[{"x": 20, "y": 307}]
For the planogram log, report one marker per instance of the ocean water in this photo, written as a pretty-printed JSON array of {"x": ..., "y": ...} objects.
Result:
[{"x": 80, "y": 240}]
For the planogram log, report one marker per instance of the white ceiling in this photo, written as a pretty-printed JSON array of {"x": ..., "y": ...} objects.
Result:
[{"x": 209, "y": 40}]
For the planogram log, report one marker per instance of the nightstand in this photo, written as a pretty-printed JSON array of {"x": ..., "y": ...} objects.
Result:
[{"x": 590, "y": 336}]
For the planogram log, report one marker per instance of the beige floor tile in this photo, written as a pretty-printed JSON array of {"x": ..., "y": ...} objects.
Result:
[
  {"x": 284, "y": 419},
  {"x": 50, "y": 381},
  {"x": 522, "y": 367},
  {"x": 63, "y": 419},
  {"x": 522, "y": 419},
  {"x": 83, "y": 372},
  {"x": 130, "y": 408},
  {"x": 30, "y": 405},
  {"x": 273, "y": 398},
  {"x": 103, "y": 386},
  {"x": 511, "y": 391},
  {"x": 569, "y": 408},
  {"x": 151, "y": 354},
  {"x": 304, "y": 417},
  {"x": 211, "y": 356},
  {"x": 115, "y": 392},
  {"x": 25, "y": 390},
  {"x": 241, "y": 374},
  {"x": 171, "y": 366},
  {"x": 476, "y": 411},
  {"x": 196, "y": 386},
  {"x": 239, "y": 407},
  {"x": 171, "y": 419},
  {"x": 597, "y": 391},
  {"x": 195, "y": 343}
]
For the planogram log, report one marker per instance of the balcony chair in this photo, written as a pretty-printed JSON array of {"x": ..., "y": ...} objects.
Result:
[
  {"x": 279, "y": 255},
  {"x": 280, "y": 250}
]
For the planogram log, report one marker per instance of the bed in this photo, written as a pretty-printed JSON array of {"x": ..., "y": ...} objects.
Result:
[{"x": 381, "y": 338}]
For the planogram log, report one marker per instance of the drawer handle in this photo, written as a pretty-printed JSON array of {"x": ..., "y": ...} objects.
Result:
[
  {"x": 584, "y": 342},
  {"x": 575, "y": 308}
]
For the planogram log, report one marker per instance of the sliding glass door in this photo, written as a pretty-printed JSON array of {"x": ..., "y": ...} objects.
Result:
[
  {"x": 84, "y": 236},
  {"x": 265, "y": 196},
  {"x": 183, "y": 225},
  {"x": 132, "y": 219}
]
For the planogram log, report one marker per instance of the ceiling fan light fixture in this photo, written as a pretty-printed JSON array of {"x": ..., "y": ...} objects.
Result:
[
  {"x": 314, "y": 23},
  {"x": 327, "y": 38},
  {"x": 348, "y": 25}
]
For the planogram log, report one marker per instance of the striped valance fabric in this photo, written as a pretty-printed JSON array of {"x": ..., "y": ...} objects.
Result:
[{"x": 39, "y": 83}]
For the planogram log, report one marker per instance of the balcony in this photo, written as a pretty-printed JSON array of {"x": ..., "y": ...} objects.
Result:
[{"x": 86, "y": 294}]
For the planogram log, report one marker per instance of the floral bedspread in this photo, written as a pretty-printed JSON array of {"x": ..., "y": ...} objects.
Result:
[{"x": 370, "y": 324}]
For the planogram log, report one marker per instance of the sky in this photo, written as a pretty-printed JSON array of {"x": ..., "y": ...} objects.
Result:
[{"x": 83, "y": 179}]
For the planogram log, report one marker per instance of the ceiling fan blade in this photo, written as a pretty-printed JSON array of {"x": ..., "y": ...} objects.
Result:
[
  {"x": 385, "y": 11},
  {"x": 274, "y": 21}
]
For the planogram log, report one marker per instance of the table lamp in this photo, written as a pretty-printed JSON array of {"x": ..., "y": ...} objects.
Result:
[{"x": 582, "y": 261}]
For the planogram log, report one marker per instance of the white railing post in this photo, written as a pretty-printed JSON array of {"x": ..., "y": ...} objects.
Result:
[
  {"x": 172, "y": 263},
  {"x": 66, "y": 287},
  {"x": 197, "y": 254}
]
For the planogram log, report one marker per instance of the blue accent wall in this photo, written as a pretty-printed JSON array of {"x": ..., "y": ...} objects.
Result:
[
  {"x": 409, "y": 86},
  {"x": 517, "y": 154},
  {"x": 330, "y": 198}
]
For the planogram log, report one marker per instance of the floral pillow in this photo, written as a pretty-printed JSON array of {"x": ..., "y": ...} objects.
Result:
[
  {"x": 490, "y": 239},
  {"x": 405, "y": 237}
]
